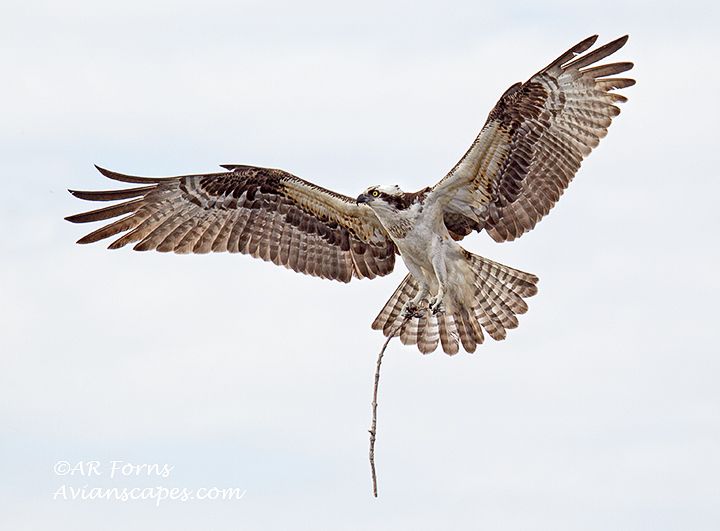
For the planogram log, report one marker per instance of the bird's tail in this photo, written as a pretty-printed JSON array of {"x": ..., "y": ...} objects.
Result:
[{"x": 491, "y": 301}]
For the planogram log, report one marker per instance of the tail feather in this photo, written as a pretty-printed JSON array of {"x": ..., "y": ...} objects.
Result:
[
  {"x": 501, "y": 285},
  {"x": 429, "y": 337},
  {"x": 524, "y": 284},
  {"x": 467, "y": 333},
  {"x": 448, "y": 333},
  {"x": 489, "y": 319},
  {"x": 390, "y": 312},
  {"x": 411, "y": 332},
  {"x": 477, "y": 329},
  {"x": 503, "y": 288},
  {"x": 500, "y": 304},
  {"x": 497, "y": 299}
]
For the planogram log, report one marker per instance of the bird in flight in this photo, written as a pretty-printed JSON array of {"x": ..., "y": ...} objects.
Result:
[{"x": 526, "y": 154}]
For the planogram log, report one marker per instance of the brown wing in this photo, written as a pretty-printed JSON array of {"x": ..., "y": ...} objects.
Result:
[
  {"x": 533, "y": 143},
  {"x": 267, "y": 213}
]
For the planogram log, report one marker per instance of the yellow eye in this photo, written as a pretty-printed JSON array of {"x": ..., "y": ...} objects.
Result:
[{"x": 375, "y": 193}]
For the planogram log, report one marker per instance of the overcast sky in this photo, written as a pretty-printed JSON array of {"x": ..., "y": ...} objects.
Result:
[{"x": 600, "y": 412}]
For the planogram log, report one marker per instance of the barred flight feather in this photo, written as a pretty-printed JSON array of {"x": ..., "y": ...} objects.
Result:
[
  {"x": 540, "y": 131},
  {"x": 269, "y": 214},
  {"x": 530, "y": 148},
  {"x": 499, "y": 293}
]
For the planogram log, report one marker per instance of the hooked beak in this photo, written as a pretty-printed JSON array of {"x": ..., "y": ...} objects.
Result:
[{"x": 363, "y": 198}]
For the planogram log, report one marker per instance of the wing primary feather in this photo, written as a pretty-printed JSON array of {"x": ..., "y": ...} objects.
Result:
[
  {"x": 534, "y": 142},
  {"x": 106, "y": 213},
  {"x": 121, "y": 225},
  {"x": 615, "y": 83},
  {"x": 131, "y": 178},
  {"x": 572, "y": 52},
  {"x": 607, "y": 70},
  {"x": 267, "y": 213},
  {"x": 112, "y": 195},
  {"x": 600, "y": 53},
  {"x": 161, "y": 227}
]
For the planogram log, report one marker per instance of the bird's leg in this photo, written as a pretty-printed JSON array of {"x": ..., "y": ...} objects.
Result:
[
  {"x": 441, "y": 273},
  {"x": 412, "y": 308},
  {"x": 436, "y": 303}
]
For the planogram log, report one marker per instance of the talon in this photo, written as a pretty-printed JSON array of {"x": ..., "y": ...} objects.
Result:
[
  {"x": 436, "y": 306},
  {"x": 410, "y": 311}
]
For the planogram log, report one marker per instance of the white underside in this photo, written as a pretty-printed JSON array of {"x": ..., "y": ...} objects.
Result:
[{"x": 432, "y": 257}]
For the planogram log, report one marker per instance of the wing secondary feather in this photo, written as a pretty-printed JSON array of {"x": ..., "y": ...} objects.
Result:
[
  {"x": 533, "y": 143},
  {"x": 267, "y": 213}
]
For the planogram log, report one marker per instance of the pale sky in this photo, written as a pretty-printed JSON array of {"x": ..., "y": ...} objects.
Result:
[{"x": 600, "y": 412}]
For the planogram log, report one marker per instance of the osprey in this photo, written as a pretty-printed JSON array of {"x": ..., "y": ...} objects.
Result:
[{"x": 529, "y": 149}]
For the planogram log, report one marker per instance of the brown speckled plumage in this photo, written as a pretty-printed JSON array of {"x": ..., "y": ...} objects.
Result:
[
  {"x": 533, "y": 142},
  {"x": 525, "y": 156},
  {"x": 266, "y": 213},
  {"x": 499, "y": 294}
]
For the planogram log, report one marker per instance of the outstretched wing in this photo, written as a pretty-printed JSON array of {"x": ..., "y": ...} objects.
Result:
[
  {"x": 532, "y": 144},
  {"x": 267, "y": 213}
]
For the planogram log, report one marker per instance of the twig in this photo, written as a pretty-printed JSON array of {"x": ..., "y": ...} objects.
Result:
[{"x": 373, "y": 425}]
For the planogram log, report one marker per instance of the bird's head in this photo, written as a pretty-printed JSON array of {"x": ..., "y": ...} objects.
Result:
[{"x": 382, "y": 196}]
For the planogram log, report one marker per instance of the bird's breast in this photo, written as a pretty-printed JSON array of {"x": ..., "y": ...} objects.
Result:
[{"x": 400, "y": 229}]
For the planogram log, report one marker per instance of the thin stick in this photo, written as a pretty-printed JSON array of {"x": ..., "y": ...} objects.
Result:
[{"x": 373, "y": 425}]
